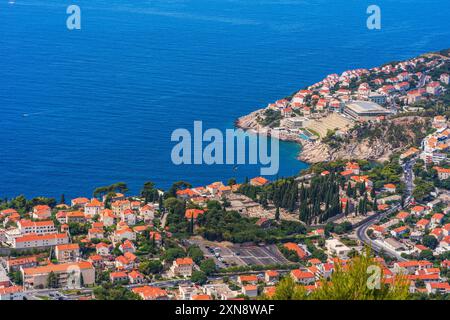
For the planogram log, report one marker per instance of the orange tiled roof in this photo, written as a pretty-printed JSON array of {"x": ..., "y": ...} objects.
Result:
[
  {"x": 57, "y": 268},
  {"x": 193, "y": 213},
  {"x": 294, "y": 247},
  {"x": 184, "y": 261},
  {"x": 148, "y": 292},
  {"x": 68, "y": 246}
]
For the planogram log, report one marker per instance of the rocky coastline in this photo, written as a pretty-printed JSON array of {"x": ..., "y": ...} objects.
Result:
[{"x": 318, "y": 151}]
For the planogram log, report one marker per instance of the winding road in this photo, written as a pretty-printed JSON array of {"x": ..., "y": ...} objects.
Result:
[{"x": 361, "y": 231}]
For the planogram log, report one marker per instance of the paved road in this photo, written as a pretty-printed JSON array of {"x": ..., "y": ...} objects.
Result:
[
  {"x": 164, "y": 215},
  {"x": 361, "y": 231}
]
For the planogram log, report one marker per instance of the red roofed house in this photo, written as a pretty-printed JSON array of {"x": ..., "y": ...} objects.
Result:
[
  {"x": 294, "y": 247},
  {"x": 443, "y": 173},
  {"x": 95, "y": 233},
  {"x": 75, "y": 216},
  {"x": 96, "y": 260},
  {"x": 303, "y": 277},
  {"x": 378, "y": 231},
  {"x": 135, "y": 277},
  {"x": 353, "y": 166},
  {"x": 128, "y": 261},
  {"x": 119, "y": 206},
  {"x": 402, "y": 216},
  {"x": 7, "y": 212},
  {"x": 437, "y": 219},
  {"x": 201, "y": 297},
  {"x": 127, "y": 246},
  {"x": 41, "y": 212},
  {"x": 151, "y": 293},
  {"x": 438, "y": 287},
  {"x": 446, "y": 229},
  {"x": 250, "y": 290},
  {"x": 259, "y": 181},
  {"x": 33, "y": 240},
  {"x": 37, "y": 277},
  {"x": 389, "y": 187},
  {"x": 14, "y": 264},
  {"x": 128, "y": 216},
  {"x": 102, "y": 249},
  {"x": 107, "y": 217},
  {"x": 437, "y": 233},
  {"x": 445, "y": 264},
  {"x": 411, "y": 266},
  {"x": 414, "y": 96},
  {"x": 383, "y": 207},
  {"x": 11, "y": 293},
  {"x": 286, "y": 112},
  {"x": 347, "y": 173},
  {"x": 186, "y": 194},
  {"x": 182, "y": 267},
  {"x": 81, "y": 202},
  {"x": 93, "y": 208},
  {"x": 400, "y": 231},
  {"x": 418, "y": 210},
  {"x": 271, "y": 276},
  {"x": 125, "y": 233},
  {"x": 118, "y": 277},
  {"x": 37, "y": 227},
  {"x": 423, "y": 224},
  {"x": 247, "y": 279},
  {"x": 147, "y": 212},
  {"x": 155, "y": 236},
  {"x": 67, "y": 252}
]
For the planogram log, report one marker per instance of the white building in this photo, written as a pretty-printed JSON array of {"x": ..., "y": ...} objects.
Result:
[
  {"x": 337, "y": 248},
  {"x": 11, "y": 293},
  {"x": 182, "y": 267},
  {"x": 37, "y": 227},
  {"x": 33, "y": 240}
]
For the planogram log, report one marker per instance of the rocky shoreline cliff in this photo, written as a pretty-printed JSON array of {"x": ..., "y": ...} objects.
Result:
[{"x": 378, "y": 146}]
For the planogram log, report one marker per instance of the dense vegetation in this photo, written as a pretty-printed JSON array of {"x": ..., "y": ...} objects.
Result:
[
  {"x": 218, "y": 224},
  {"x": 315, "y": 203},
  {"x": 111, "y": 292},
  {"x": 22, "y": 205},
  {"x": 271, "y": 118},
  {"x": 352, "y": 283}
]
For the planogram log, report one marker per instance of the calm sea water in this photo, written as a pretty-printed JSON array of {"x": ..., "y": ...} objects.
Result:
[{"x": 102, "y": 102}]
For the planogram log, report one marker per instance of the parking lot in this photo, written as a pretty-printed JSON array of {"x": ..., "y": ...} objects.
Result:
[
  {"x": 260, "y": 255},
  {"x": 237, "y": 255}
]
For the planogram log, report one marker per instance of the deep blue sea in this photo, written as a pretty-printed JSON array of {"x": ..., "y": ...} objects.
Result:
[{"x": 102, "y": 102}]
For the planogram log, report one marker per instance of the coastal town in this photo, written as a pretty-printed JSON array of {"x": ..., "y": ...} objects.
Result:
[
  {"x": 239, "y": 240},
  {"x": 331, "y": 109}
]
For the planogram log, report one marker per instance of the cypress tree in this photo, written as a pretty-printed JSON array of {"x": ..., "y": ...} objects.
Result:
[{"x": 277, "y": 214}]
